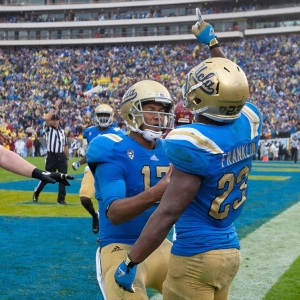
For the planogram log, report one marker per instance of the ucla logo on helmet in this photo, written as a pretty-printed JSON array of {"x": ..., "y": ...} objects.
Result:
[
  {"x": 208, "y": 86},
  {"x": 130, "y": 95}
]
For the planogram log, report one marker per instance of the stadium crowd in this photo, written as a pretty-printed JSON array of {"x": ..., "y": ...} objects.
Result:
[
  {"x": 31, "y": 79},
  {"x": 117, "y": 15}
]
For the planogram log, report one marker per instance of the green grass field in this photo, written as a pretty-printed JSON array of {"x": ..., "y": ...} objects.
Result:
[
  {"x": 48, "y": 250},
  {"x": 10, "y": 197}
]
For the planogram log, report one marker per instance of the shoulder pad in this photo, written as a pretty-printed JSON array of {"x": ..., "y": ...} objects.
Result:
[
  {"x": 252, "y": 113},
  {"x": 102, "y": 148}
]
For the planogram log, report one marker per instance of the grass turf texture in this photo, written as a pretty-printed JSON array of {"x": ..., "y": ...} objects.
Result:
[
  {"x": 288, "y": 286},
  {"x": 48, "y": 251}
]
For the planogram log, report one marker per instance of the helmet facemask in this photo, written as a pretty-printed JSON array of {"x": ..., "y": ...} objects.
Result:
[
  {"x": 103, "y": 115},
  {"x": 103, "y": 121},
  {"x": 136, "y": 97},
  {"x": 138, "y": 119}
]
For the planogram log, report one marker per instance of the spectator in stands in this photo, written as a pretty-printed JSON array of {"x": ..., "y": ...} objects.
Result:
[
  {"x": 37, "y": 146},
  {"x": 19, "y": 146},
  {"x": 29, "y": 146},
  {"x": 275, "y": 82},
  {"x": 74, "y": 147}
]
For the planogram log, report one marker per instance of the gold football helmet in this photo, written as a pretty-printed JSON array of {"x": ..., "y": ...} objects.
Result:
[
  {"x": 104, "y": 115},
  {"x": 132, "y": 107},
  {"x": 217, "y": 88}
]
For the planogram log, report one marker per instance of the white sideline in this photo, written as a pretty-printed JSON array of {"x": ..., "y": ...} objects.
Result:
[{"x": 267, "y": 253}]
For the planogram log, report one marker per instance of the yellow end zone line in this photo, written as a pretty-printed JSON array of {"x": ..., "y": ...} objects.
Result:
[
  {"x": 262, "y": 177},
  {"x": 288, "y": 170}
]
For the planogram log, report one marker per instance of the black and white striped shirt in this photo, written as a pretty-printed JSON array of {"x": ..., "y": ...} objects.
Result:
[{"x": 56, "y": 139}]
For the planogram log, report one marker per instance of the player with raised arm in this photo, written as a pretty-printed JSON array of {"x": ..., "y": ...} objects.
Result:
[
  {"x": 131, "y": 173},
  {"x": 212, "y": 160},
  {"x": 103, "y": 117}
]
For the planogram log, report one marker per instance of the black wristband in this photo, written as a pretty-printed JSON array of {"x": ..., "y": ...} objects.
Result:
[
  {"x": 213, "y": 43},
  {"x": 214, "y": 46},
  {"x": 37, "y": 173}
]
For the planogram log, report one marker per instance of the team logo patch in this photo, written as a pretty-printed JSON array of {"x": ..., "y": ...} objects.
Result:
[{"x": 130, "y": 154}]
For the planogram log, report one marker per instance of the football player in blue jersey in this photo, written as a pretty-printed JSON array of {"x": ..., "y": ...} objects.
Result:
[
  {"x": 103, "y": 117},
  {"x": 211, "y": 161},
  {"x": 131, "y": 174}
]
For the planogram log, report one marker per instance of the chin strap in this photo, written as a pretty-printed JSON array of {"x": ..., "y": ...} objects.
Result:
[{"x": 150, "y": 135}]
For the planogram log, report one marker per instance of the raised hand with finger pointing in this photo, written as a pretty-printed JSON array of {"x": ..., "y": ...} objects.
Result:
[{"x": 204, "y": 32}]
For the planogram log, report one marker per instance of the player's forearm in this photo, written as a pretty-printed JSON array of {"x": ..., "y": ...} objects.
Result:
[
  {"x": 14, "y": 163},
  {"x": 83, "y": 160},
  {"x": 123, "y": 210},
  {"x": 153, "y": 234},
  {"x": 217, "y": 52},
  {"x": 66, "y": 151}
]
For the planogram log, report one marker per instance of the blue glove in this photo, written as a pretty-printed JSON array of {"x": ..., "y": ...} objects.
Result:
[
  {"x": 125, "y": 275},
  {"x": 75, "y": 165},
  {"x": 204, "y": 32}
]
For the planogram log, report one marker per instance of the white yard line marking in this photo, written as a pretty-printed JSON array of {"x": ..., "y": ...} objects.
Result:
[{"x": 266, "y": 254}]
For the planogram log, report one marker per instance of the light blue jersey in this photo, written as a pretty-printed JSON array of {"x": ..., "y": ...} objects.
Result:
[
  {"x": 123, "y": 168},
  {"x": 93, "y": 131},
  {"x": 222, "y": 156}
]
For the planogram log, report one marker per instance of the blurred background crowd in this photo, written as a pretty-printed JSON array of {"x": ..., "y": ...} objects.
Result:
[
  {"x": 31, "y": 79},
  {"x": 117, "y": 15}
]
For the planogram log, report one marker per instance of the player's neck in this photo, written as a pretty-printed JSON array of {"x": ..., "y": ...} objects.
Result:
[
  {"x": 102, "y": 128},
  {"x": 205, "y": 120},
  {"x": 142, "y": 141}
]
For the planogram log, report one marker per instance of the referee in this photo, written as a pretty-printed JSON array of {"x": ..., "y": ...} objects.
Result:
[{"x": 57, "y": 152}]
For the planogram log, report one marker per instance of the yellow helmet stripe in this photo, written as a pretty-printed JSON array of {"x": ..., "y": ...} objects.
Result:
[{"x": 196, "y": 138}]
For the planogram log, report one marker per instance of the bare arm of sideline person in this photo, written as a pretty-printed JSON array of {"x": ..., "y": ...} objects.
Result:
[
  {"x": 66, "y": 152},
  {"x": 12, "y": 162}
]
